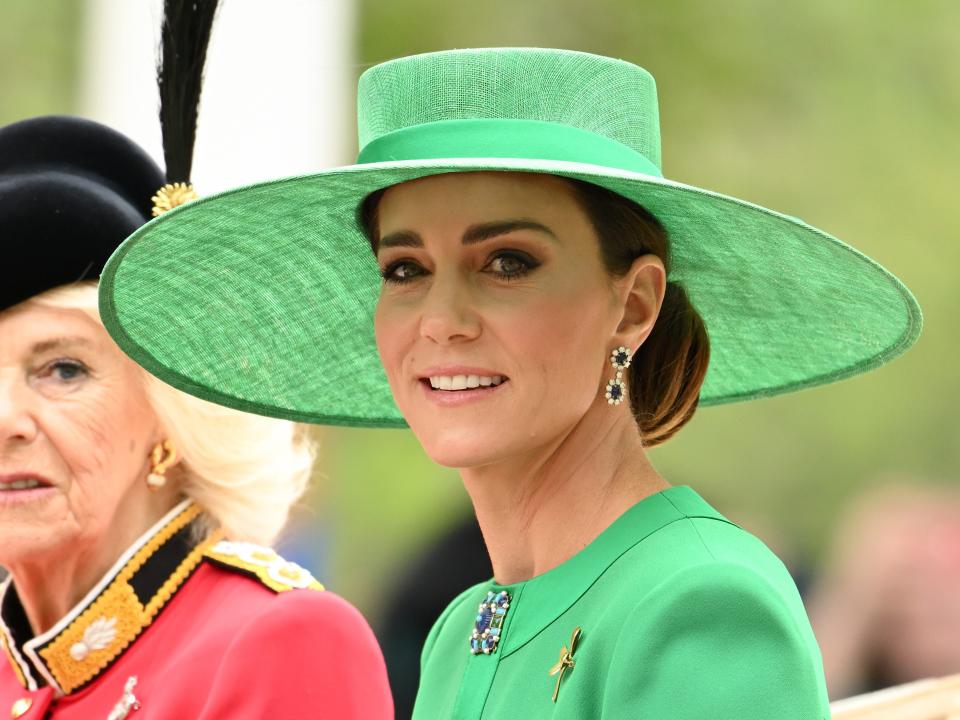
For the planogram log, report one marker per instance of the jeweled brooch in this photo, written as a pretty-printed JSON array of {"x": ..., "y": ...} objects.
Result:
[{"x": 489, "y": 624}]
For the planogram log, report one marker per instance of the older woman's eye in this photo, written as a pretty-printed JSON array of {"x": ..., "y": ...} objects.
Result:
[
  {"x": 510, "y": 265},
  {"x": 402, "y": 271},
  {"x": 65, "y": 371}
]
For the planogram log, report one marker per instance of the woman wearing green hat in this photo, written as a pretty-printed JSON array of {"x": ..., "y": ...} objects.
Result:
[{"x": 547, "y": 306}]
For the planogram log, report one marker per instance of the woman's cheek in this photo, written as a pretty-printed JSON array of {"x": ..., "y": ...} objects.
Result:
[
  {"x": 99, "y": 429},
  {"x": 85, "y": 440},
  {"x": 384, "y": 345},
  {"x": 395, "y": 332}
]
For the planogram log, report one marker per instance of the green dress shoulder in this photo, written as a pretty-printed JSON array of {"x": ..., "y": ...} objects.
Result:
[{"x": 682, "y": 615}]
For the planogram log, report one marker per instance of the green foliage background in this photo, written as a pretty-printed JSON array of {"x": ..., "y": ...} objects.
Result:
[{"x": 842, "y": 113}]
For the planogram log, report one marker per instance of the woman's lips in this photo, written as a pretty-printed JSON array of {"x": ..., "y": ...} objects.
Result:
[
  {"x": 23, "y": 497},
  {"x": 23, "y": 488},
  {"x": 23, "y": 481},
  {"x": 453, "y": 398},
  {"x": 454, "y": 383}
]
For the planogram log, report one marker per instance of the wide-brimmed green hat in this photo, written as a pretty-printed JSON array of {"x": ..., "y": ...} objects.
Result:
[{"x": 262, "y": 298}]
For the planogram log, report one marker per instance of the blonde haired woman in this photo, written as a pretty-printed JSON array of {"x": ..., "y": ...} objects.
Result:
[
  {"x": 134, "y": 519},
  {"x": 245, "y": 470}
]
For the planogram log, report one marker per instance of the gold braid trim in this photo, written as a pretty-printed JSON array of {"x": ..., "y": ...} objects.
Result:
[
  {"x": 16, "y": 666},
  {"x": 262, "y": 563},
  {"x": 118, "y": 612}
]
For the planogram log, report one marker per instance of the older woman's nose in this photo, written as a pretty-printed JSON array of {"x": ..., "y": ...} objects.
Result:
[
  {"x": 448, "y": 313},
  {"x": 16, "y": 419}
]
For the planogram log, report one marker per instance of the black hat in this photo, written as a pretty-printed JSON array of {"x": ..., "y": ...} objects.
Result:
[{"x": 71, "y": 190}]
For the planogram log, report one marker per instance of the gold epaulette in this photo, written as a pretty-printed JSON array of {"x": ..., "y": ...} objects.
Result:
[{"x": 262, "y": 563}]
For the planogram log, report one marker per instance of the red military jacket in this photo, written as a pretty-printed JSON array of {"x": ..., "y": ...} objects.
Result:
[{"x": 193, "y": 628}]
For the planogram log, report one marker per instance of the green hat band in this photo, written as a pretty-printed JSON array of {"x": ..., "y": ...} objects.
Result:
[{"x": 505, "y": 138}]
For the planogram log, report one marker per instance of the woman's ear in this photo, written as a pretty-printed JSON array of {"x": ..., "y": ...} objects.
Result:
[
  {"x": 164, "y": 450},
  {"x": 641, "y": 292}
]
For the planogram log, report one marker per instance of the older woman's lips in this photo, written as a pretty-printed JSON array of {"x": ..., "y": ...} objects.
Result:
[{"x": 22, "y": 488}]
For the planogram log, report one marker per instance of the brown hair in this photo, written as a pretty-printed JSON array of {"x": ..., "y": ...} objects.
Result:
[{"x": 668, "y": 369}]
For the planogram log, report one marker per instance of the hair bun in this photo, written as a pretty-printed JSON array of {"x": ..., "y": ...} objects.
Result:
[{"x": 669, "y": 368}]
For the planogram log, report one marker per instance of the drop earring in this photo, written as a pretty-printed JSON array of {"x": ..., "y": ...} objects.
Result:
[
  {"x": 616, "y": 388},
  {"x": 164, "y": 454}
]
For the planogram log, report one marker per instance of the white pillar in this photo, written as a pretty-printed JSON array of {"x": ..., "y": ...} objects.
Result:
[{"x": 278, "y": 98}]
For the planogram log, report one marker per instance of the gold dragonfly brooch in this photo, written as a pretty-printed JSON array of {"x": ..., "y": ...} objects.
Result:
[{"x": 566, "y": 661}]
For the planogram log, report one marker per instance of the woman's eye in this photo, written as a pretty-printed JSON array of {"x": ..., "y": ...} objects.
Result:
[
  {"x": 510, "y": 265},
  {"x": 402, "y": 271},
  {"x": 65, "y": 371}
]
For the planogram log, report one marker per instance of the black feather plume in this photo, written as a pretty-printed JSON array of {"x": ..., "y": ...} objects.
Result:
[{"x": 184, "y": 36}]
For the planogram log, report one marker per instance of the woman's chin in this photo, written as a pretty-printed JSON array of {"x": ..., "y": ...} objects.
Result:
[
  {"x": 462, "y": 449},
  {"x": 22, "y": 540}
]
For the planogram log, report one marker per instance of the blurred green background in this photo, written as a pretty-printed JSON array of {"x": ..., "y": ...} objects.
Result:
[{"x": 841, "y": 113}]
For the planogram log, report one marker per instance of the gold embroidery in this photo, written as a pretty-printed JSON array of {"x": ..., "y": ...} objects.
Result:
[
  {"x": 97, "y": 636},
  {"x": 119, "y": 601},
  {"x": 16, "y": 666},
  {"x": 263, "y": 563}
]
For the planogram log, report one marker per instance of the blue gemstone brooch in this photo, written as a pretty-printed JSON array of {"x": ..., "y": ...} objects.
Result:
[{"x": 490, "y": 615}]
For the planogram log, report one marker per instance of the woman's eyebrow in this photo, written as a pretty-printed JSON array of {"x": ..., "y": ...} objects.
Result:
[
  {"x": 473, "y": 234},
  {"x": 401, "y": 238},
  {"x": 60, "y": 343},
  {"x": 485, "y": 231}
]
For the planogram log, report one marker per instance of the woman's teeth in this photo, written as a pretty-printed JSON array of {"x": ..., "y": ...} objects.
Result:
[
  {"x": 464, "y": 382},
  {"x": 28, "y": 484}
]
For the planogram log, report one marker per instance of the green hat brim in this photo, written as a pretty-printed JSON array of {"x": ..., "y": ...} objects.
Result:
[{"x": 262, "y": 298}]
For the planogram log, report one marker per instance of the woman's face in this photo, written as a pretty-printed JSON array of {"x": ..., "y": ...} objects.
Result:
[
  {"x": 75, "y": 432},
  {"x": 493, "y": 281}
]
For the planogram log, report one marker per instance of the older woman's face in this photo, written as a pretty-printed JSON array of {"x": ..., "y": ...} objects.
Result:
[
  {"x": 493, "y": 281},
  {"x": 75, "y": 430}
]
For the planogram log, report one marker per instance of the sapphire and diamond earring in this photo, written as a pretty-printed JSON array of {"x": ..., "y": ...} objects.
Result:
[
  {"x": 489, "y": 623},
  {"x": 616, "y": 388}
]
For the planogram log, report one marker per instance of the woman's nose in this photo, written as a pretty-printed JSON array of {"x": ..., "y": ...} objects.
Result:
[
  {"x": 16, "y": 419},
  {"x": 448, "y": 311}
]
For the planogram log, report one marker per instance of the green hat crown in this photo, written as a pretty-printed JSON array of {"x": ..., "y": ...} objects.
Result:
[{"x": 510, "y": 103}]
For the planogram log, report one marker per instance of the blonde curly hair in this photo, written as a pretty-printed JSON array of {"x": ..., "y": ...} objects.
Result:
[{"x": 244, "y": 470}]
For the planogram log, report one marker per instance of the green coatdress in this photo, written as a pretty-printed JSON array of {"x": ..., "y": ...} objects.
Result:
[{"x": 683, "y": 616}]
